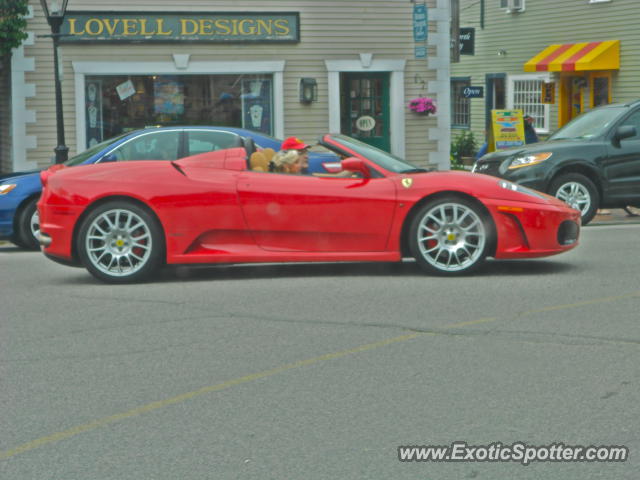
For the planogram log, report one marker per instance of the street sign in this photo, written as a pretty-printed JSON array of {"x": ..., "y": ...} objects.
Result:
[
  {"x": 421, "y": 51},
  {"x": 473, "y": 92},
  {"x": 419, "y": 22}
]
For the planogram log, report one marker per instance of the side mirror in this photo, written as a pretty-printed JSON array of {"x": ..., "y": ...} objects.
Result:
[
  {"x": 623, "y": 132},
  {"x": 111, "y": 157},
  {"x": 355, "y": 164}
]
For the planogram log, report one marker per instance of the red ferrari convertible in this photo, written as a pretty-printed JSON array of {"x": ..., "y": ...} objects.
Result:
[{"x": 122, "y": 221}]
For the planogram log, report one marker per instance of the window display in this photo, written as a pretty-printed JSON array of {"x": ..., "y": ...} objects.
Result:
[{"x": 117, "y": 103}]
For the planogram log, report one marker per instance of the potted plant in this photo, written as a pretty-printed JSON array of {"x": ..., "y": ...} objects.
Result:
[
  {"x": 464, "y": 148},
  {"x": 423, "y": 105}
]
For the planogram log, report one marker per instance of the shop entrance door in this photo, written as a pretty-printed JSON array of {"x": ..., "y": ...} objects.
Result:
[
  {"x": 571, "y": 98},
  {"x": 364, "y": 108},
  {"x": 495, "y": 96}
]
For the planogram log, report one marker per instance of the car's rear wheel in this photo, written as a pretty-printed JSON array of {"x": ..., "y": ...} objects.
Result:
[
  {"x": 450, "y": 236},
  {"x": 120, "y": 242},
  {"x": 28, "y": 226},
  {"x": 578, "y": 192}
]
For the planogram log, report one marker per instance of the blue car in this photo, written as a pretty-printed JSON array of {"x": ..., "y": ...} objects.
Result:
[{"x": 19, "y": 191}]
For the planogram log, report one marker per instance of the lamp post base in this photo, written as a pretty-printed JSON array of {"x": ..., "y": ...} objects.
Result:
[{"x": 62, "y": 153}]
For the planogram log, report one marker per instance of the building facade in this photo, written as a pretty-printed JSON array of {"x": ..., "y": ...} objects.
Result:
[
  {"x": 551, "y": 58},
  {"x": 283, "y": 67}
]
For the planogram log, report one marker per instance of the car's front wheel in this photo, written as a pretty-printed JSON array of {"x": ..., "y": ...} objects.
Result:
[
  {"x": 120, "y": 242},
  {"x": 450, "y": 236},
  {"x": 579, "y": 192}
]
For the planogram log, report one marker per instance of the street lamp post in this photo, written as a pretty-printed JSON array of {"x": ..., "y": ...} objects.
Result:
[{"x": 55, "y": 16}]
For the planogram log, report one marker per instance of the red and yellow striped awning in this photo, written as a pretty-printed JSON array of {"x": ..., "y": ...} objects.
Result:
[{"x": 570, "y": 57}]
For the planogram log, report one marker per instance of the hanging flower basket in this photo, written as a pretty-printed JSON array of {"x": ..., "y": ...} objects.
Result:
[{"x": 423, "y": 105}]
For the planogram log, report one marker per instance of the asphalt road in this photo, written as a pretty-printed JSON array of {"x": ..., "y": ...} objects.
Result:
[{"x": 319, "y": 371}]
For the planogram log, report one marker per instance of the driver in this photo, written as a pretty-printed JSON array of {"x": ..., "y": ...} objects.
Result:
[{"x": 302, "y": 149}]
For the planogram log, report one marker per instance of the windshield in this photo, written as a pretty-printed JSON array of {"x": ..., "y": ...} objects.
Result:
[
  {"x": 384, "y": 159},
  {"x": 81, "y": 157},
  {"x": 590, "y": 124}
]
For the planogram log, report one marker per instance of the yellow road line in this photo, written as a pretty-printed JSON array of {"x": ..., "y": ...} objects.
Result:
[
  {"x": 186, "y": 396},
  {"x": 274, "y": 371},
  {"x": 472, "y": 322},
  {"x": 583, "y": 304}
]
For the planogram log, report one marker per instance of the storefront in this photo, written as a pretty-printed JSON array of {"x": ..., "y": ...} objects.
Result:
[
  {"x": 584, "y": 74},
  {"x": 289, "y": 72}
]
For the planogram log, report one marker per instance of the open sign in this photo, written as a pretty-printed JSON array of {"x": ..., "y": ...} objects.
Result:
[{"x": 473, "y": 92}]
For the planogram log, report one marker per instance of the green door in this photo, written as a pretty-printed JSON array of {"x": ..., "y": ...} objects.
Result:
[{"x": 365, "y": 108}]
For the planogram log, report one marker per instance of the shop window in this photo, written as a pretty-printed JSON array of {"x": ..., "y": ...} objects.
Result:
[
  {"x": 525, "y": 93},
  {"x": 600, "y": 89},
  {"x": 460, "y": 106},
  {"x": 161, "y": 145},
  {"x": 119, "y": 103}
]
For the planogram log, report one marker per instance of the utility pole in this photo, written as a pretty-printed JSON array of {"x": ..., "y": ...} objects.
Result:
[{"x": 455, "y": 31}]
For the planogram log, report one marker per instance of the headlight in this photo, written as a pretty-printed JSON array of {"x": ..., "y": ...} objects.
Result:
[
  {"x": 528, "y": 160},
  {"x": 6, "y": 188},
  {"x": 514, "y": 187}
]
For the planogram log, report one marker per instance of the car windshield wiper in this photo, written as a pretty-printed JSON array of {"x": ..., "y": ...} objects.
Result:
[{"x": 414, "y": 170}]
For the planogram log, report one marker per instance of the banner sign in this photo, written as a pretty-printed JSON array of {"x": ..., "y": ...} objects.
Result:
[
  {"x": 507, "y": 127},
  {"x": 180, "y": 27},
  {"x": 419, "y": 22},
  {"x": 467, "y": 41}
]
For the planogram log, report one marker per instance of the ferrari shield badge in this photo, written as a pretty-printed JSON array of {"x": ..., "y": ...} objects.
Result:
[{"x": 407, "y": 182}]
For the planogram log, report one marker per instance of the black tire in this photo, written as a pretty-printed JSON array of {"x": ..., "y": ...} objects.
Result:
[
  {"x": 17, "y": 242},
  {"x": 120, "y": 242},
  {"x": 451, "y": 236},
  {"x": 578, "y": 192},
  {"x": 26, "y": 235}
]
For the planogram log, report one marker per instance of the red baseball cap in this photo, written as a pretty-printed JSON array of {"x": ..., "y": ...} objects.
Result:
[{"x": 294, "y": 143}]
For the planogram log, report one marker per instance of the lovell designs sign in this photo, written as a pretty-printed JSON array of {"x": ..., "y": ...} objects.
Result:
[{"x": 180, "y": 27}]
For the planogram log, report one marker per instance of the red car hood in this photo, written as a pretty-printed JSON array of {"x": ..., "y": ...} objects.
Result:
[{"x": 474, "y": 184}]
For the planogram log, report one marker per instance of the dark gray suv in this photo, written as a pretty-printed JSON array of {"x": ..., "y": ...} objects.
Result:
[{"x": 592, "y": 162}]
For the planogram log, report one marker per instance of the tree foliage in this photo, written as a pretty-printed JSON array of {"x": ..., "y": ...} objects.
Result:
[{"x": 12, "y": 24}]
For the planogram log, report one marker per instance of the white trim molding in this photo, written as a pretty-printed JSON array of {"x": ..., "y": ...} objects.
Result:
[
  {"x": 82, "y": 69},
  {"x": 20, "y": 116},
  {"x": 396, "y": 94},
  {"x": 441, "y": 87}
]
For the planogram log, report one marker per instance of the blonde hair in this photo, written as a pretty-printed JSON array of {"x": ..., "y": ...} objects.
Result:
[{"x": 284, "y": 160}]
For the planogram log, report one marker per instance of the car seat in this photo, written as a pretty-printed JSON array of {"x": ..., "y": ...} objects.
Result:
[{"x": 249, "y": 145}]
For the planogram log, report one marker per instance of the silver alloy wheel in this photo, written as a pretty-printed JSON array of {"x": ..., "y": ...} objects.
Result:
[
  {"x": 118, "y": 242},
  {"x": 451, "y": 237},
  {"x": 575, "y": 195},
  {"x": 34, "y": 224}
]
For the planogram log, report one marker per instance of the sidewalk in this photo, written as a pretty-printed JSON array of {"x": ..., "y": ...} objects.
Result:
[{"x": 617, "y": 217}]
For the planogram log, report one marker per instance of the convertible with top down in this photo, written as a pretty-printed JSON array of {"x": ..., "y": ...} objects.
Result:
[{"x": 123, "y": 221}]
